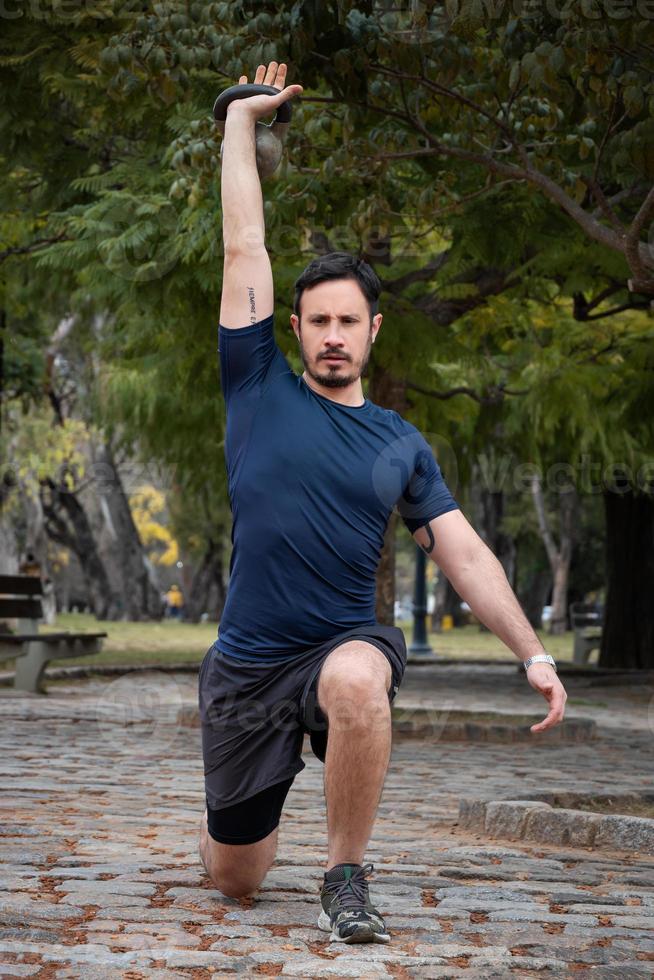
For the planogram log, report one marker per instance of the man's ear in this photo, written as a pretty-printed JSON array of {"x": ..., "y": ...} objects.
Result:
[
  {"x": 295, "y": 323},
  {"x": 377, "y": 322}
]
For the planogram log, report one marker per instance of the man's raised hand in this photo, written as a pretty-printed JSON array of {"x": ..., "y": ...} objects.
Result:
[{"x": 259, "y": 106}]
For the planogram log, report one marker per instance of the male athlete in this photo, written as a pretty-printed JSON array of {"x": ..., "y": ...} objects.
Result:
[{"x": 315, "y": 470}]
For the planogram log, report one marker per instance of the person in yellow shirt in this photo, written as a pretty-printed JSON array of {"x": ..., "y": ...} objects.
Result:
[{"x": 175, "y": 602}]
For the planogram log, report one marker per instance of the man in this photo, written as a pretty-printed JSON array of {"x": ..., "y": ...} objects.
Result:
[{"x": 315, "y": 470}]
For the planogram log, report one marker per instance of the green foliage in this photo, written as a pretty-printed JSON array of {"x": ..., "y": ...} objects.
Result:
[{"x": 111, "y": 154}]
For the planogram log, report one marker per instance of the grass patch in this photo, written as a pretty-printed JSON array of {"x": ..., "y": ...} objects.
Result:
[
  {"x": 170, "y": 642},
  {"x": 165, "y": 642},
  {"x": 630, "y": 808},
  {"x": 468, "y": 643}
]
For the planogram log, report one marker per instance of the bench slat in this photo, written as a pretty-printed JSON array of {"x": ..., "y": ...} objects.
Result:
[
  {"x": 21, "y": 608},
  {"x": 20, "y": 585},
  {"x": 18, "y": 638}
]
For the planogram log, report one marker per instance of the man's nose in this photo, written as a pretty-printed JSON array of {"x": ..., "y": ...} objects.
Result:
[{"x": 334, "y": 336}]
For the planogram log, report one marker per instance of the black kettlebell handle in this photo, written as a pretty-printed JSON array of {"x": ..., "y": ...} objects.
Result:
[{"x": 284, "y": 111}]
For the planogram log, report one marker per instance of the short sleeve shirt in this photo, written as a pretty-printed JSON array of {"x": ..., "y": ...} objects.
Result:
[{"x": 312, "y": 485}]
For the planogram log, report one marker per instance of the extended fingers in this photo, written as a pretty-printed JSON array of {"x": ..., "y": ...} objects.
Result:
[
  {"x": 555, "y": 714},
  {"x": 274, "y": 74}
]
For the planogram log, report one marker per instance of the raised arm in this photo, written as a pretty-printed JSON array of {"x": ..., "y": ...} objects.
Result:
[{"x": 247, "y": 294}]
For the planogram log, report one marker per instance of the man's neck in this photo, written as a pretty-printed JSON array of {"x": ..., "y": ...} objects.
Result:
[{"x": 352, "y": 395}]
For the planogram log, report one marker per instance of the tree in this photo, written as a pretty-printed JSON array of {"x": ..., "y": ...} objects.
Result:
[{"x": 504, "y": 164}]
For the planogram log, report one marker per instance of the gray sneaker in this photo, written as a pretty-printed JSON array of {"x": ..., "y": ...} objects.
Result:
[{"x": 346, "y": 909}]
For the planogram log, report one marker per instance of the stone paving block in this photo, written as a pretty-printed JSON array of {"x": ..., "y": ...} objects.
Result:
[
  {"x": 237, "y": 932},
  {"x": 89, "y": 972},
  {"x": 299, "y": 914},
  {"x": 509, "y": 818},
  {"x": 625, "y": 832},
  {"x": 111, "y": 887},
  {"x": 150, "y": 914},
  {"x": 19, "y": 969},
  {"x": 314, "y": 966},
  {"x": 203, "y": 959},
  {"x": 18, "y": 911},
  {"x": 95, "y": 954},
  {"x": 28, "y": 934},
  {"x": 577, "y": 828},
  {"x": 101, "y": 898}
]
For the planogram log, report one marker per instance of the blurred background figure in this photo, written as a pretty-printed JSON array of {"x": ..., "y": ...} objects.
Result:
[{"x": 174, "y": 602}]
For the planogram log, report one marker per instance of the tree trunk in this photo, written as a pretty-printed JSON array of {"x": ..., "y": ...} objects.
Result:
[
  {"x": 628, "y": 633},
  {"x": 447, "y": 602},
  {"x": 140, "y": 590},
  {"x": 67, "y": 524},
  {"x": 489, "y": 511},
  {"x": 534, "y": 593},
  {"x": 385, "y": 595},
  {"x": 8, "y": 543},
  {"x": 558, "y": 557},
  {"x": 207, "y": 591},
  {"x": 388, "y": 392}
]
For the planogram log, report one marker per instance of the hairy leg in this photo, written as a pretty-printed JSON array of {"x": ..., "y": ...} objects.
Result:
[{"x": 353, "y": 693}]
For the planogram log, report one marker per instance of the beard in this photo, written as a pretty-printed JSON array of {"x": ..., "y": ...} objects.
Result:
[{"x": 331, "y": 376}]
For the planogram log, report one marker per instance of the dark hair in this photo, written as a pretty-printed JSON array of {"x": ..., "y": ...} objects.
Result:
[{"x": 339, "y": 265}]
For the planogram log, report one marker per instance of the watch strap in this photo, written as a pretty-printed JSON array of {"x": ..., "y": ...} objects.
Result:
[{"x": 540, "y": 658}]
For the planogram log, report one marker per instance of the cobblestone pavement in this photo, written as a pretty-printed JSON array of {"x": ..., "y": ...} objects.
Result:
[{"x": 100, "y": 876}]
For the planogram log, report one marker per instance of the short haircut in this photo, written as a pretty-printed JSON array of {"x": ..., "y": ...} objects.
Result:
[{"x": 339, "y": 265}]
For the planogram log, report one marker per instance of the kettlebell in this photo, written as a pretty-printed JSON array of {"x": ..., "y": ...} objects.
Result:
[{"x": 269, "y": 139}]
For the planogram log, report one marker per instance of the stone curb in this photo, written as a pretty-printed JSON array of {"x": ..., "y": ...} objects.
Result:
[
  {"x": 450, "y": 725},
  {"x": 538, "y": 820},
  {"x": 446, "y": 725}
]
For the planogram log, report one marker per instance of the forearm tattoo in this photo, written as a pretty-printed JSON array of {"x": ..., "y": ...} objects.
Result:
[
  {"x": 253, "y": 311},
  {"x": 428, "y": 548}
]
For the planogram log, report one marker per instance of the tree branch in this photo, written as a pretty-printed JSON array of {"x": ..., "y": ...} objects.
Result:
[
  {"x": 32, "y": 247},
  {"x": 494, "y": 396},
  {"x": 543, "y": 526},
  {"x": 635, "y": 254},
  {"x": 423, "y": 274}
]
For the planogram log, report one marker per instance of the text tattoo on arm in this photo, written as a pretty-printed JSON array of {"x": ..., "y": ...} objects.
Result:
[
  {"x": 253, "y": 311},
  {"x": 428, "y": 548}
]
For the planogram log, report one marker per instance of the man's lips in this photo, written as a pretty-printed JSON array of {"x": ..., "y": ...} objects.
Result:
[{"x": 333, "y": 357}]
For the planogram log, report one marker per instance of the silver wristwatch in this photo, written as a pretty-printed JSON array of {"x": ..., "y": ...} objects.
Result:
[{"x": 540, "y": 658}]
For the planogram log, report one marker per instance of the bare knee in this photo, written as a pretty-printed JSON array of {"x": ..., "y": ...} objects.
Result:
[
  {"x": 354, "y": 684},
  {"x": 236, "y": 870}
]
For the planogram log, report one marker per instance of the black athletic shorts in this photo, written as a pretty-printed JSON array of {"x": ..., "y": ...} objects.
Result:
[{"x": 254, "y": 717}]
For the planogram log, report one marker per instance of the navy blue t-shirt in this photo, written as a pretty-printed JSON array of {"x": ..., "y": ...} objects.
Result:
[{"x": 312, "y": 485}]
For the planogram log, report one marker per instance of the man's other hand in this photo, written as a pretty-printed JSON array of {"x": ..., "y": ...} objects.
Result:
[{"x": 543, "y": 678}]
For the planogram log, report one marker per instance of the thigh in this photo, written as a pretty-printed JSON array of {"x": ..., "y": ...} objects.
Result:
[{"x": 251, "y": 733}]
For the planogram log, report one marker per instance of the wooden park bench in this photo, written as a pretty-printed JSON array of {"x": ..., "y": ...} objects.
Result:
[
  {"x": 20, "y": 598},
  {"x": 586, "y": 621}
]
